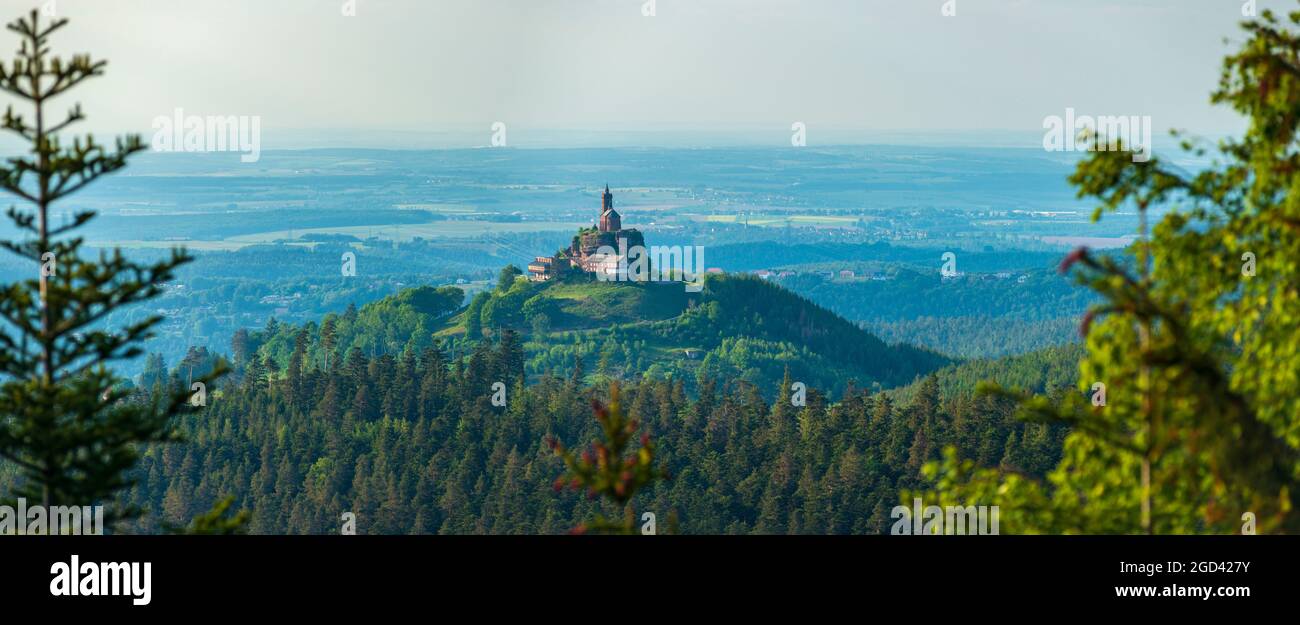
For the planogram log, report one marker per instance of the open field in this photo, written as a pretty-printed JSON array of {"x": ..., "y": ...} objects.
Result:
[
  {"x": 770, "y": 220},
  {"x": 406, "y": 232}
]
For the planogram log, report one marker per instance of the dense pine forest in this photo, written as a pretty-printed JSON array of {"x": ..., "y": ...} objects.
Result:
[{"x": 412, "y": 443}]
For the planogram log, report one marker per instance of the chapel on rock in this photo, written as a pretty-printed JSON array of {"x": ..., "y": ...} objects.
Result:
[{"x": 583, "y": 254}]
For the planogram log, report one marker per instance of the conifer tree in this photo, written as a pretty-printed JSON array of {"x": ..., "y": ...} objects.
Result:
[
  {"x": 1196, "y": 341},
  {"x": 64, "y": 420},
  {"x": 609, "y": 468}
]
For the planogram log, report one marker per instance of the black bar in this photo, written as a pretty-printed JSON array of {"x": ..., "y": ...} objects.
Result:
[{"x": 324, "y": 574}]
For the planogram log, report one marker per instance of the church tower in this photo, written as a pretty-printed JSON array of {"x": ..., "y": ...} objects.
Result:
[{"x": 609, "y": 218}]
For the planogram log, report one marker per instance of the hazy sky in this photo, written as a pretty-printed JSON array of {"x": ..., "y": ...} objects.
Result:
[{"x": 422, "y": 66}]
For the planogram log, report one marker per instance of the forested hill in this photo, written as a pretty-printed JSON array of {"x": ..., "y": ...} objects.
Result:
[
  {"x": 738, "y": 327},
  {"x": 1042, "y": 371},
  {"x": 372, "y": 412},
  {"x": 412, "y": 443},
  {"x": 761, "y": 328}
]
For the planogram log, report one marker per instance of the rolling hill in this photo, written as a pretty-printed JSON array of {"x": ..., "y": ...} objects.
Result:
[{"x": 737, "y": 327}]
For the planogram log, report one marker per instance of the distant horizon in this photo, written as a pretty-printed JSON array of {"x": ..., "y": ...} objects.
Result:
[
  {"x": 666, "y": 137},
  {"x": 661, "y": 136}
]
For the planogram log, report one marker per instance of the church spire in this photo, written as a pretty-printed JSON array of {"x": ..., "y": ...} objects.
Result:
[{"x": 609, "y": 218}]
